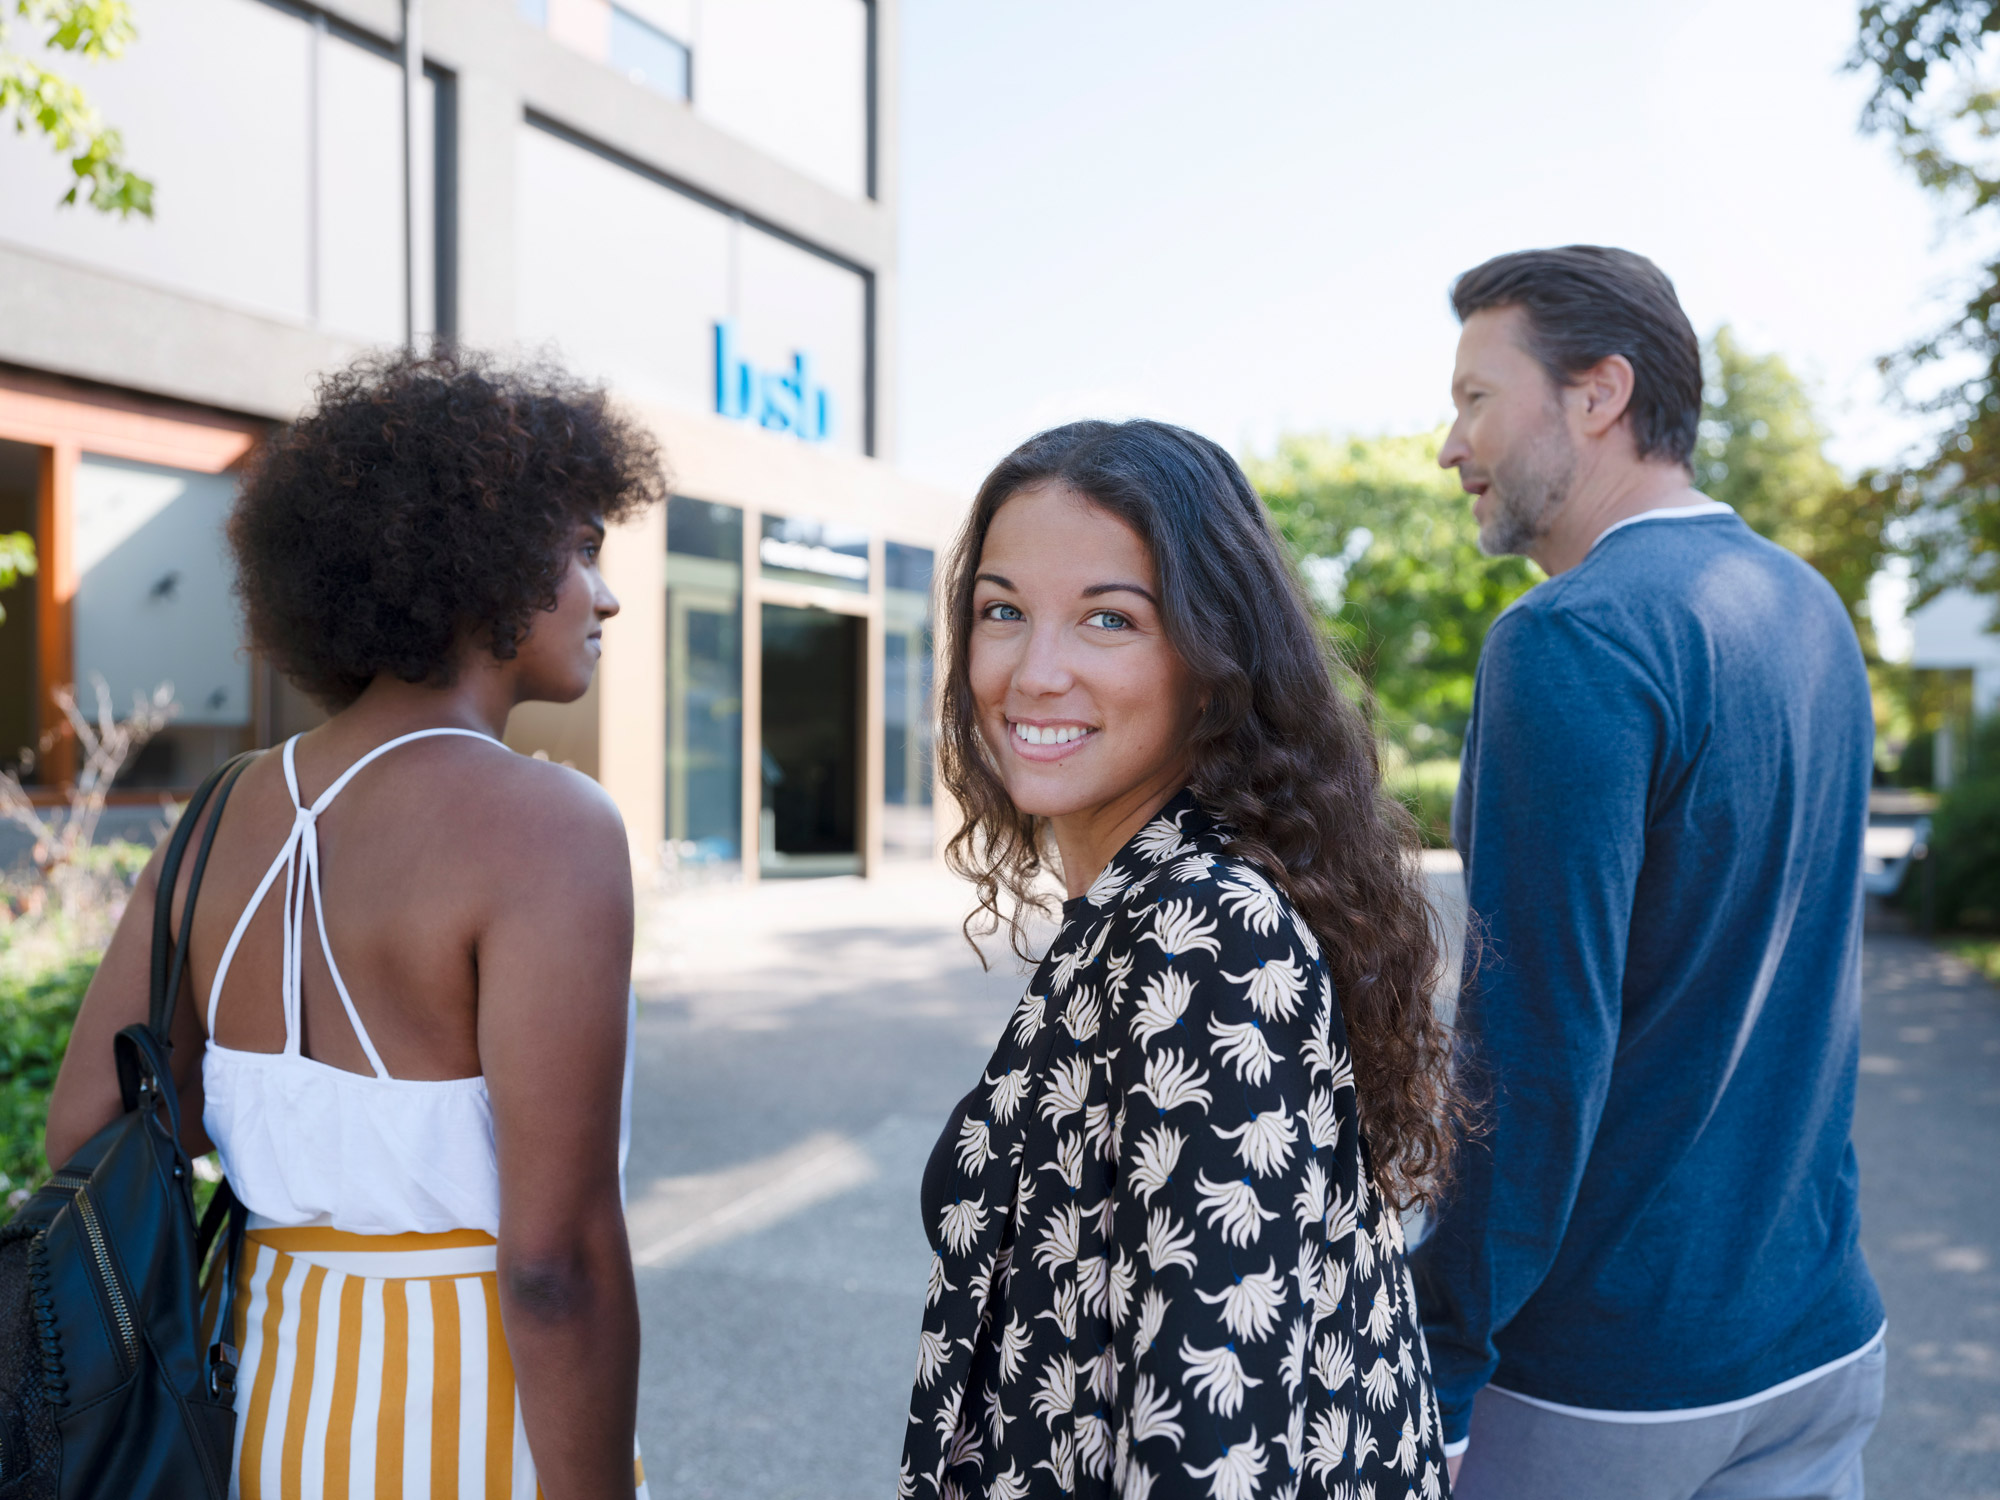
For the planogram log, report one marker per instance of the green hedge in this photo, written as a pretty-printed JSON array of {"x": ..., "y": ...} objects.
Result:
[
  {"x": 1965, "y": 842},
  {"x": 36, "y": 1013}
]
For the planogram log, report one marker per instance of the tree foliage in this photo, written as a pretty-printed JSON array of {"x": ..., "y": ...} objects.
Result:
[
  {"x": 17, "y": 561},
  {"x": 1937, "y": 96},
  {"x": 1762, "y": 451},
  {"x": 38, "y": 99},
  {"x": 1390, "y": 554}
]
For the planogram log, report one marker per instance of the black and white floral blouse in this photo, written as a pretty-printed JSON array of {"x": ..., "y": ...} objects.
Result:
[{"x": 1161, "y": 1268}]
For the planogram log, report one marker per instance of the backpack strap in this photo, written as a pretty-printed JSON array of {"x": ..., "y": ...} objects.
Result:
[
  {"x": 225, "y": 1208},
  {"x": 166, "y": 976}
]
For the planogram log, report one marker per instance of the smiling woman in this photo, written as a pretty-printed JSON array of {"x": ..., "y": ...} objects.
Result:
[{"x": 1165, "y": 1220}]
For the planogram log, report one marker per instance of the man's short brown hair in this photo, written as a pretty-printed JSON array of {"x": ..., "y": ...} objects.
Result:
[{"x": 1584, "y": 303}]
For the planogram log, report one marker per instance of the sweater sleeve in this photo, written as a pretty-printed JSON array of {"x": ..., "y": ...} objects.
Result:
[{"x": 1568, "y": 736}]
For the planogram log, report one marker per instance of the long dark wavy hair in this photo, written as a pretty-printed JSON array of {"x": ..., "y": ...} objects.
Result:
[{"x": 1282, "y": 753}]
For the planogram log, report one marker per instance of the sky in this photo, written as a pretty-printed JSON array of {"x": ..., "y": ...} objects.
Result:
[{"x": 1244, "y": 217}]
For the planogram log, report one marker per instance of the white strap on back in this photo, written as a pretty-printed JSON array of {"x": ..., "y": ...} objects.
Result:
[{"x": 299, "y": 860}]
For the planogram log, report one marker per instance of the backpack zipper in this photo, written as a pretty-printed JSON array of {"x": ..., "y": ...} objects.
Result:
[{"x": 114, "y": 1292}]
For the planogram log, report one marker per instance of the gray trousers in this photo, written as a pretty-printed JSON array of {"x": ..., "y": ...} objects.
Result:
[{"x": 1803, "y": 1445}]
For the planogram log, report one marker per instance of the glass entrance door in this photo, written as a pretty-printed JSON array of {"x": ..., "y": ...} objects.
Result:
[{"x": 811, "y": 817}]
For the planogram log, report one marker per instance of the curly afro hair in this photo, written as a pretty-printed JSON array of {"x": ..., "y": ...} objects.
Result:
[{"x": 424, "y": 500}]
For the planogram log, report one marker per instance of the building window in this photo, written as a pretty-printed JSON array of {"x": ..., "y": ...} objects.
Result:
[
  {"x": 647, "y": 55},
  {"x": 812, "y": 552},
  {"x": 704, "y": 680},
  {"x": 907, "y": 730}
]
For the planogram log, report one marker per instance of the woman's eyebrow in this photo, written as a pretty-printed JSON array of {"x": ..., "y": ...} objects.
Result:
[
  {"x": 1121, "y": 588},
  {"x": 1005, "y": 583}
]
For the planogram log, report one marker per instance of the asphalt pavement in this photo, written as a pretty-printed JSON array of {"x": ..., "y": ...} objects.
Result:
[{"x": 801, "y": 1043}]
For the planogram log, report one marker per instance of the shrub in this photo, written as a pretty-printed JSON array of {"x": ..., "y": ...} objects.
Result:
[
  {"x": 1965, "y": 839},
  {"x": 36, "y": 1013}
]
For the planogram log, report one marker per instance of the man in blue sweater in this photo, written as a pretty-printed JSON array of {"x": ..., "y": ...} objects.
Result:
[{"x": 1648, "y": 1281}]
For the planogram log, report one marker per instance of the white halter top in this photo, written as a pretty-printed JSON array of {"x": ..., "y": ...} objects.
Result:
[{"x": 306, "y": 1143}]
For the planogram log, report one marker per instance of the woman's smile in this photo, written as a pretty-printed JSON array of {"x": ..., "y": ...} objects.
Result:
[{"x": 1047, "y": 740}]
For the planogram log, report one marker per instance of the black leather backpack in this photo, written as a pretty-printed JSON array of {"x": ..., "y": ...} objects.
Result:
[{"x": 106, "y": 1392}]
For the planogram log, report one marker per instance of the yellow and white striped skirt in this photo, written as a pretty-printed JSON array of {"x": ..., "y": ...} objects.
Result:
[{"x": 374, "y": 1368}]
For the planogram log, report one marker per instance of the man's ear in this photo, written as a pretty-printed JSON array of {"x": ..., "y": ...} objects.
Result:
[{"x": 1600, "y": 395}]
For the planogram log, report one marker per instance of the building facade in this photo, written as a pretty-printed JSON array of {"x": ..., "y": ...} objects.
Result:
[{"x": 690, "y": 200}]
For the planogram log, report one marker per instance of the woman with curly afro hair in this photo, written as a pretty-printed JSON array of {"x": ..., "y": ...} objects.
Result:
[{"x": 404, "y": 1025}]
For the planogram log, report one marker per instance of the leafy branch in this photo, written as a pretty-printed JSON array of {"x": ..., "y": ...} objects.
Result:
[{"x": 36, "y": 98}]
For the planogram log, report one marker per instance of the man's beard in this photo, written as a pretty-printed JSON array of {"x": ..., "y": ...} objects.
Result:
[{"x": 1527, "y": 488}]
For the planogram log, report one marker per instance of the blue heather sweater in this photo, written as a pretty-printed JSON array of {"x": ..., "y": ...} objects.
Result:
[{"x": 1661, "y": 812}]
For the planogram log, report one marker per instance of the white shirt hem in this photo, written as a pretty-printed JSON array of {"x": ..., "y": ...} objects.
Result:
[{"x": 1692, "y": 1413}]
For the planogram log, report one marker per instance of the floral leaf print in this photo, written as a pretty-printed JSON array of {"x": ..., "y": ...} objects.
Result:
[
  {"x": 1342, "y": 1217},
  {"x": 1406, "y": 1449},
  {"x": 1028, "y": 1019},
  {"x": 1179, "y": 929},
  {"x": 1109, "y": 883},
  {"x": 1378, "y": 1384},
  {"x": 1364, "y": 1252},
  {"x": 1234, "y": 1475},
  {"x": 1093, "y": 1445},
  {"x": 1333, "y": 1362},
  {"x": 1309, "y": 1203},
  {"x": 1081, "y": 1016},
  {"x": 1173, "y": 1080},
  {"x": 1067, "y": 968},
  {"x": 1432, "y": 1488},
  {"x": 1406, "y": 1364},
  {"x": 1059, "y": 1237},
  {"x": 1168, "y": 1243},
  {"x": 1326, "y": 1061},
  {"x": 1273, "y": 987},
  {"x": 1093, "y": 1283},
  {"x": 1306, "y": 1272},
  {"x": 1305, "y": 936},
  {"x": 1381, "y": 1313},
  {"x": 1100, "y": 1131},
  {"x": 938, "y": 1285},
  {"x": 1135, "y": 1480},
  {"x": 1365, "y": 1444},
  {"x": 964, "y": 1446},
  {"x": 1160, "y": 840},
  {"x": 975, "y": 1145},
  {"x": 1101, "y": 1374},
  {"x": 1331, "y": 1290},
  {"x": 1063, "y": 1312},
  {"x": 1159, "y": 1152},
  {"x": 1242, "y": 1045},
  {"x": 1063, "y": 1095},
  {"x": 1163, "y": 1002},
  {"x": 1118, "y": 1289},
  {"x": 1190, "y": 869},
  {"x": 1061, "y": 1461},
  {"x": 1009, "y": 1089},
  {"x": 1218, "y": 1377},
  {"x": 1292, "y": 1368},
  {"x": 933, "y": 1349},
  {"x": 962, "y": 1222},
  {"x": 1153, "y": 1413},
  {"x": 1014, "y": 1343},
  {"x": 1232, "y": 1208},
  {"x": 1055, "y": 1393},
  {"x": 1322, "y": 1121},
  {"x": 996, "y": 1416},
  {"x": 1293, "y": 1441},
  {"x": 1009, "y": 1485},
  {"x": 1327, "y": 1450},
  {"x": 1100, "y": 1216},
  {"x": 1068, "y": 1164},
  {"x": 1263, "y": 1142},
  {"x": 1117, "y": 975},
  {"x": 1248, "y": 897},
  {"x": 1250, "y": 1305},
  {"x": 1152, "y": 1313}
]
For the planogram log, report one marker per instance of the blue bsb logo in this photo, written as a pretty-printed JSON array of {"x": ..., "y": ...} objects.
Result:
[{"x": 781, "y": 400}]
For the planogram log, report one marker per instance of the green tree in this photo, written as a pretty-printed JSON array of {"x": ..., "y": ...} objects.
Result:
[
  {"x": 1390, "y": 553},
  {"x": 17, "y": 561},
  {"x": 37, "y": 99},
  {"x": 1937, "y": 97},
  {"x": 1762, "y": 451}
]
